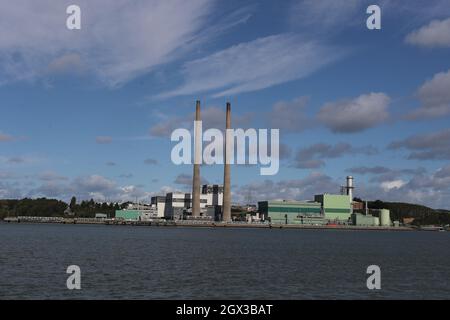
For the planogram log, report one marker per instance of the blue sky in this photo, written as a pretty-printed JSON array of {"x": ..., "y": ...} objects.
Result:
[{"x": 89, "y": 112}]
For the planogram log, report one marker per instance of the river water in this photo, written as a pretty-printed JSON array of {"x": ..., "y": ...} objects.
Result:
[{"x": 126, "y": 262}]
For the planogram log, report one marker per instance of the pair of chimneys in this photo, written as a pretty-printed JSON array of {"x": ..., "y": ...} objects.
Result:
[{"x": 226, "y": 205}]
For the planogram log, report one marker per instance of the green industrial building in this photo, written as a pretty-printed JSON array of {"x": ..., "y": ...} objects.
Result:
[
  {"x": 291, "y": 212},
  {"x": 359, "y": 219},
  {"x": 326, "y": 208},
  {"x": 335, "y": 207},
  {"x": 128, "y": 215}
]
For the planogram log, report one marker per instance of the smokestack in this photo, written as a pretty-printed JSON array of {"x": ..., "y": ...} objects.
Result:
[
  {"x": 197, "y": 157},
  {"x": 226, "y": 206},
  {"x": 350, "y": 187}
]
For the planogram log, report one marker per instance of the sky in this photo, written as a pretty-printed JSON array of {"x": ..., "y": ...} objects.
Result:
[{"x": 89, "y": 112}]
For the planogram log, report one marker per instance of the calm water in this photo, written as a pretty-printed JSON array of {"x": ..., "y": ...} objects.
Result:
[{"x": 124, "y": 262}]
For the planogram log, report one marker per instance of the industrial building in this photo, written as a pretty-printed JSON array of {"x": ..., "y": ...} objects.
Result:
[
  {"x": 178, "y": 206},
  {"x": 385, "y": 217},
  {"x": 214, "y": 194},
  {"x": 366, "y": 220},
  {"x": 137, "y": 214},
  {"x": 128, "y": 215},
  {"x": 101, "y": 216},
  {"x": 336, "y": 207},
  {"x": 141, "y": 212},
  {"x": 326, "y": 209},
  {"x": 371, "y": 217},
  {"x": 382, "y": 220},
  {"x": 160, "y": 203},
  {"x": 291, "y": 212}
]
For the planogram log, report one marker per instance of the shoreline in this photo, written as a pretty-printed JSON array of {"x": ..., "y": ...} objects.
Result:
[{"x": 197, "y": 224}]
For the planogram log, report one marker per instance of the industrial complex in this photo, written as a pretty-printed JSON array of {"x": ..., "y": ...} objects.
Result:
[{"x": 212, "y": 203}]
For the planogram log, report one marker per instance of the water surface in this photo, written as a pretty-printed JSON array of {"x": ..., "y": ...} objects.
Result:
[{"x": 126, "y": 262}]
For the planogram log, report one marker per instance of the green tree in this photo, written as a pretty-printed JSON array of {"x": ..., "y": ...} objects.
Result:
[{"x": 73, "y": 203}]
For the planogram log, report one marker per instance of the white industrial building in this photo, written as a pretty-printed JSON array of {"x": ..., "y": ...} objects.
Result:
[
  {"x": 177, "y": 205},
  {"x": 213, "y": 193},
  {"x": 159, "y": 202}
]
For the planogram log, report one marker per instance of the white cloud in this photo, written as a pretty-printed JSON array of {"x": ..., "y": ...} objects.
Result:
[
  {"x": 435, "y": 97},
  {"x": 255, "y": 65},
  {"x": 435, "y": 34},
  {"x": 85, "y": 187},
  {"x": 118, "y": 40},
  {"x": 132, "y": 192},
  {"x": 354, "y": 115},
  {"x": 93, "y": 183},
  {"x": 394, "y": 184}
]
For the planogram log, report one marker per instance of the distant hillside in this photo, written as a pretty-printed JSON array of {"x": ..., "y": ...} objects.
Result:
[{"x": 422, "y": 215}]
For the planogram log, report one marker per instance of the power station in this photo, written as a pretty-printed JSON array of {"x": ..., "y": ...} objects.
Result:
[
  {"x": 213, "y": 202},
  {"x": 325, "y": 209}
]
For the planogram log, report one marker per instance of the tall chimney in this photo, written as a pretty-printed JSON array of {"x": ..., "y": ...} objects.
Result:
[
  {"x": 350, "y": 187},
  {"x": 197, "y": 157},
  {"x": 226, "y": 207}
]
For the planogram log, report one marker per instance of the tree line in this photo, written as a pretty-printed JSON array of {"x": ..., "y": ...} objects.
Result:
[{"x": 43, "y": 207}]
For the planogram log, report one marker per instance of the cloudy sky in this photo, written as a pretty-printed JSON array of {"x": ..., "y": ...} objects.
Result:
[{"x": 89, "y": 112}]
